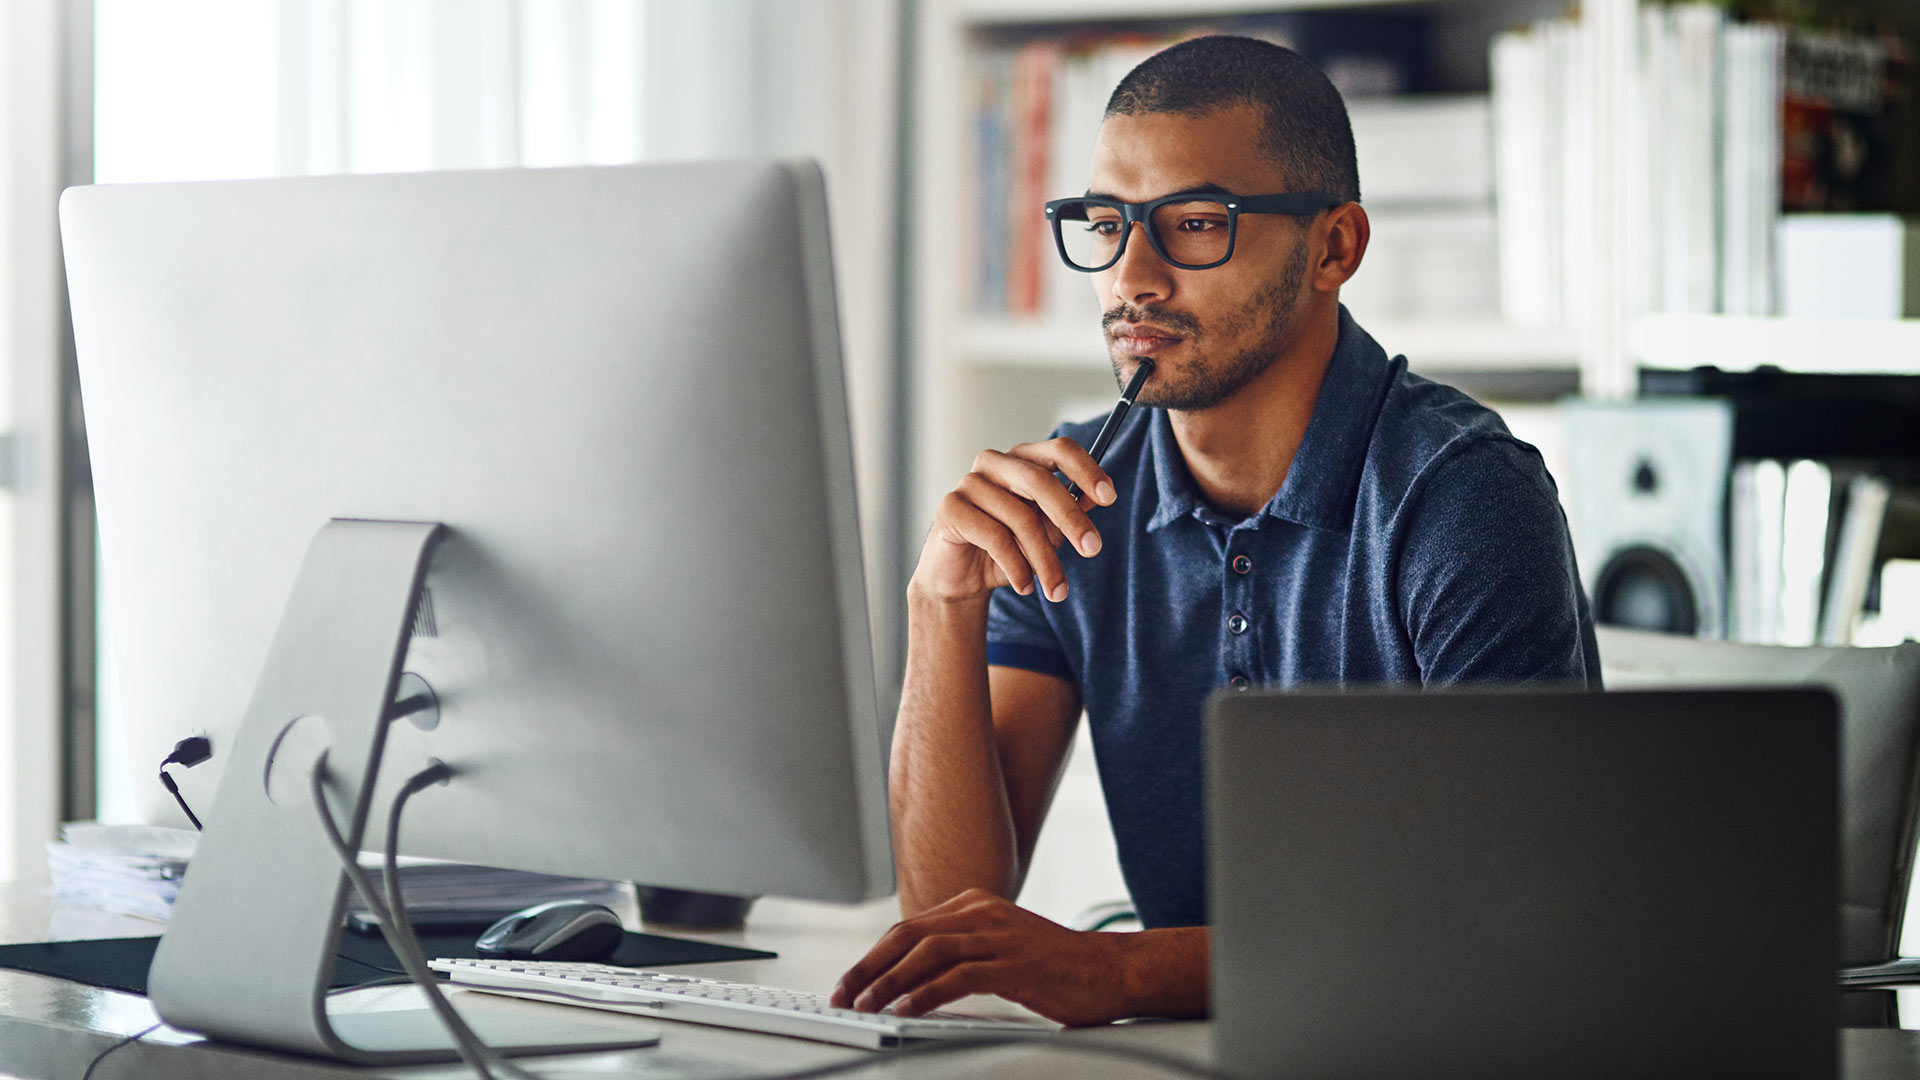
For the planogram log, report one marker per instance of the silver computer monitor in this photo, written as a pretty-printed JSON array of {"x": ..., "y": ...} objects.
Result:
[{"x": 644, "y": 625}]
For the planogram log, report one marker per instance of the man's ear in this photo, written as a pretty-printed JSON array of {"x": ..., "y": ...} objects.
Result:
[{"x": 1344, "y": 233}]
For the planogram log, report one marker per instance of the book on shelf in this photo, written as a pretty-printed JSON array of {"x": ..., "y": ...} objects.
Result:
[
  {"x": 1757, "y": 498},
  {"x": 1524, "y": 164},
  {"x": 1838, "y": 127},
  {"x": 1803, "y": 550},
  {"x": 1855, "y": 549}
]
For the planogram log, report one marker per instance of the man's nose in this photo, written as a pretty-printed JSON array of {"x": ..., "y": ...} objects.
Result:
[{"x": 1141, "y": 277}]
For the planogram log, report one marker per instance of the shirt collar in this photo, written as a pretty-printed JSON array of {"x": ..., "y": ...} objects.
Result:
[{"x": 1318, "y": 491}]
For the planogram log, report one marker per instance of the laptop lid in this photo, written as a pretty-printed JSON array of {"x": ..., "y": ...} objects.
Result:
[{"x": 1524, "y": 883}]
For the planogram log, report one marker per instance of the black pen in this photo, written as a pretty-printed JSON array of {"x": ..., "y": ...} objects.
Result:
[{"x": 1119, "y": 413}]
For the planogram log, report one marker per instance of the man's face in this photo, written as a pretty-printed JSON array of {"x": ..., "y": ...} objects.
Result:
[{"x": 1209, "y": 332}]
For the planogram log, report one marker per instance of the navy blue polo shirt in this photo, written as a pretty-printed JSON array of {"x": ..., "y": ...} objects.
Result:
[{"x": 1414, "y": 542}]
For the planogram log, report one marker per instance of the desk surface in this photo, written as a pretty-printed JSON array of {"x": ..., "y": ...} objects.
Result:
[{"x": 51, "y": 1028}]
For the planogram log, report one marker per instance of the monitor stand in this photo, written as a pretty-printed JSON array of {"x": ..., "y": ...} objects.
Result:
[{"x": 249, "y": 948}]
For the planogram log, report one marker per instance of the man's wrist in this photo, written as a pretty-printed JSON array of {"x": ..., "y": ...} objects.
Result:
[
  {"x": 924, "y": 606},
  {"x": 1165, "y": 972}
]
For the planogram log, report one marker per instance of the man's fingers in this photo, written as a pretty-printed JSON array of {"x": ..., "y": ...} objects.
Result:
[
  {"x": 961, "y": 980},
  {"x": 953, "y": 916},
  {"x": 899, "y": 939},
  {"x": 1071, "y": 460},
  {"x": 972, "y": 525},
  {"x": 1025, "y": 523},
  {"x": 929, "y": 958},
  {"x": 1034, "y": 481}
]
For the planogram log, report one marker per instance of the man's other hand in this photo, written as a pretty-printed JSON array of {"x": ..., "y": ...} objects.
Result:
[{"x": 981, "y": 943}]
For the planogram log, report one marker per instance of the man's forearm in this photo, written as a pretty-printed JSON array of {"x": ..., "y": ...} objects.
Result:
[{"x": 952, "y": 825}]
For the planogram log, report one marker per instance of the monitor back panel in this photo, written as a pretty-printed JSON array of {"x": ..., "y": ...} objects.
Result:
[
  {"x": 1524, "y": 884},
  {"x": 619, "y": 388}
]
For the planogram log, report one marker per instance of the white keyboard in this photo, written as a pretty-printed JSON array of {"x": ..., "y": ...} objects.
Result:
[{"x": 727, "y": 1004}]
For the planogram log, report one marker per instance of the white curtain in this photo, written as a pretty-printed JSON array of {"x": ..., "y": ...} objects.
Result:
[
  {"x": 386, "y": 85},
  {"x": 232, "y": 88}
]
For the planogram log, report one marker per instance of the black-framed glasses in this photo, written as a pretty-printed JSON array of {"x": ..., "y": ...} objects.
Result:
[{"x": 1188, "y": 230}]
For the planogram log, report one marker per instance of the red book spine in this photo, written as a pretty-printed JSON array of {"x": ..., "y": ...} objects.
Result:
[{"x": 1034, "y": 68}]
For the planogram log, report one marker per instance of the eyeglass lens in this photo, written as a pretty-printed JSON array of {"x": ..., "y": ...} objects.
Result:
[{"x": 1192, "y": 233}]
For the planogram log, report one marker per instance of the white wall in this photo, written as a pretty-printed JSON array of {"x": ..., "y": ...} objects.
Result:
[{"x": 31, "y": 352}]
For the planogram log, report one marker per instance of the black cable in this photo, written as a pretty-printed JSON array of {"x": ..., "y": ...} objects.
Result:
[
  {"x": 192, "y": 751},
  {"x": 371, "y": 964},
  {"x": 179, "y": 798},
  {"x": 128, "y": 1041},
  {"x": 138, "y": 1035},
  {"x": 187, "y": 753}
]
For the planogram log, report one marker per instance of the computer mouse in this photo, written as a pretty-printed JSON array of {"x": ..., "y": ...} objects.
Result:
[{"x": 560, "y": 930}]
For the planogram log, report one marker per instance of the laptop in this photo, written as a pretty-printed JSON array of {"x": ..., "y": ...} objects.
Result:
[{"x": 1524, "y": 884}]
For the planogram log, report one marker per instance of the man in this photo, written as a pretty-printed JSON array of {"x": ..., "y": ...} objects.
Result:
[{"x": 1293, "y": 509}]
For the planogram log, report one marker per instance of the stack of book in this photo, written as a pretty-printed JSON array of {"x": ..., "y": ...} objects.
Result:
[
  {"x": 1803, "y": 544},
  {"x": 1037, "y": 109},
  {"x": 137, "y": 870},
  {"x": 1426, "y": 179},
  {"x": 1727, "y": 124}
]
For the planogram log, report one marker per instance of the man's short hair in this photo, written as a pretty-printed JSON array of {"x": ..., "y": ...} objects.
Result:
[{"x": 1306, "y": 133}]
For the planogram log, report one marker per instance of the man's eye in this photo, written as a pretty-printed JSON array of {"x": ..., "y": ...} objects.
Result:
[
  {"x": 1103, "y": 228},
  {"x": 1201, "y": 224}
]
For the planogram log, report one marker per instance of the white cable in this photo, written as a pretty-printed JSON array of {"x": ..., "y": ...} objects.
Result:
[
  {"x": 478, "y": 1056},
  {"x": 437, "y": 773}
]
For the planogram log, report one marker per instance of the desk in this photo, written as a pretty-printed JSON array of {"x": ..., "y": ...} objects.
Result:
[{"x": 50, "y": 1029}]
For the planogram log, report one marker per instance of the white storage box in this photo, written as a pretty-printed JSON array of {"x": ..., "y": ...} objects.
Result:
[{"x": 1849, "y": 266}]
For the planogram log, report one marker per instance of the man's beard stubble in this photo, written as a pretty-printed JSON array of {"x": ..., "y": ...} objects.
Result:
[{"x": 1204, "y": 382}]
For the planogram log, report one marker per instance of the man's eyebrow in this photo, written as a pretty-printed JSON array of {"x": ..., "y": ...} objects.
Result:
[{"x": 1197, "y": 189}]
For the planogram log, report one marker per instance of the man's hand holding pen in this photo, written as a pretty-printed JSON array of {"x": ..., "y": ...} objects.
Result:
[{"x": 1004, "y": 523}]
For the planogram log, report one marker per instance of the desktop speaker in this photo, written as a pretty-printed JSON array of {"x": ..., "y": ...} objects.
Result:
[{"x": 1647, "y": 488}]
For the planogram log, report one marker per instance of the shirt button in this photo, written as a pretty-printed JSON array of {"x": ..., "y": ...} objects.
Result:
[
  {"x": 1239, "y": 683},
  {"x": 1237, "y": 623},
  {"x": 1242, "y": 564}
]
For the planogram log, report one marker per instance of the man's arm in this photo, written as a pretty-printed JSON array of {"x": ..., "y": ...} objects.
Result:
[
  {"x": 974, "y": 760},
  {"x": 1488, "y": 588},
  {"x": 977, "y": 754}
]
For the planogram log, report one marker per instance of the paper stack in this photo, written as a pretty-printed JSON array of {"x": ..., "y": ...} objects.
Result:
[
  {"x": 124, "y": 869},
  {"x": 137, "y": 870}
]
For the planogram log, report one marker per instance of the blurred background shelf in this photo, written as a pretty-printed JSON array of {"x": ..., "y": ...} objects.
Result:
[{"x": 1811, "y": 346}]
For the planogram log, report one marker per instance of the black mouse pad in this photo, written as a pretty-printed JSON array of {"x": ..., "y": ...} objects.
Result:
[{"x": 122, "y": 963}]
